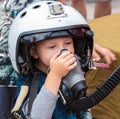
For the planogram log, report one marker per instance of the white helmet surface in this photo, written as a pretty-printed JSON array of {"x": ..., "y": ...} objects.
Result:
[{"x": 36, "y": 22}]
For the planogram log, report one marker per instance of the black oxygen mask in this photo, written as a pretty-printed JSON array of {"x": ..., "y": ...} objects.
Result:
[{"x": 74, "y": 81}]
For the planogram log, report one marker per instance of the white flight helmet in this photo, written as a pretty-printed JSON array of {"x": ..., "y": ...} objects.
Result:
[{"x": 43, "y": 20}]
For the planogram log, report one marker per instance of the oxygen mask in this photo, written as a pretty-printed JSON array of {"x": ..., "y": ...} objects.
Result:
[{"x": 74, "y": 82}]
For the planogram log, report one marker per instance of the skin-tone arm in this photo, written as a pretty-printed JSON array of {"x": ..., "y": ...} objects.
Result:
[
  {"x": 102, "y": 8},
  {"x": 80, "y": 5},
  {"x": 67, "y": 61},
  {"x": 23, "y": 93},
  {"x": 99, "y": 51}
]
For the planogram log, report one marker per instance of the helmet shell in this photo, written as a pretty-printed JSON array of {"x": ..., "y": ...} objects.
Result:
[{"x": 41, "y": 17}]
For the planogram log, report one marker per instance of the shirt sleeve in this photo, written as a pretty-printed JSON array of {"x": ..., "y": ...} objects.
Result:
[{"x": 43, "y": 105}]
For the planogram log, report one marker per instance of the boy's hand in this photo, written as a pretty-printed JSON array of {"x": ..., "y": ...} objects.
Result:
[{"x": 61, "y": 64}]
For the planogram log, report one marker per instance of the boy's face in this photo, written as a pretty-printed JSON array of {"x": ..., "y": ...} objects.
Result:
[{"x": 44, "y": 50}]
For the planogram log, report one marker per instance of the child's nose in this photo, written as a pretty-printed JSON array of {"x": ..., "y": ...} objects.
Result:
[{"x": 62, "y": 47}]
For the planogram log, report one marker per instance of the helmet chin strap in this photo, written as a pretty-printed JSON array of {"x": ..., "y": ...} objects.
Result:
[{"x": 24, "y": 92}]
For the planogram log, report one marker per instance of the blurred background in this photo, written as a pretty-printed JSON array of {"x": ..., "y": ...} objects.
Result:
[{"x": 90, "y": 8}]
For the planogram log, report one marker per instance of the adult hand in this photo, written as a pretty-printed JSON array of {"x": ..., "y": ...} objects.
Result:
[{"x": 99, "y": 51}]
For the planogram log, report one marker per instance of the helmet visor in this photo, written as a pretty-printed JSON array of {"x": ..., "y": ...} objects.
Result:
[
  {"x": 78, "y": 32},
  {"x": 39, "y": 36}
]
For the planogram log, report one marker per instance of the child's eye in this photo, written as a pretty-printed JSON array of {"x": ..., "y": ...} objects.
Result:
[
  {"x": 68, "y": 43},
  {"x": 51, "y": 47}
]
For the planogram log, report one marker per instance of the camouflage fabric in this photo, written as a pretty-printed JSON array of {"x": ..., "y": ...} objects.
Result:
[{"x": 8, "y": 76}]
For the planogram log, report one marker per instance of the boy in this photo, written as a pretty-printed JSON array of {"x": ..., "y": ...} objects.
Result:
[{"x": 43, "y": 30}]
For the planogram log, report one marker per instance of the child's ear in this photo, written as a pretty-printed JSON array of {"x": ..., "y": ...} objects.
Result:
[{"x": 33, "y": 52}]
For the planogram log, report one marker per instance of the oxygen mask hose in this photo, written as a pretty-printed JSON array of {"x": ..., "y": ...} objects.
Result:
[{"x": 98, "y": 95}]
